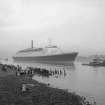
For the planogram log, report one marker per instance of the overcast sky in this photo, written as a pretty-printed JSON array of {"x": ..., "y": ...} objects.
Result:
[{"x": 74, "y": 25}]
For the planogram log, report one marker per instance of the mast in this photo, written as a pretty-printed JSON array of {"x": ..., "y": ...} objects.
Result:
[{"x": 31, "y": 43}]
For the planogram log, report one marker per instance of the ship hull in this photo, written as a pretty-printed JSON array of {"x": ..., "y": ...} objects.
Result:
[{"x": 60, "y": 58}]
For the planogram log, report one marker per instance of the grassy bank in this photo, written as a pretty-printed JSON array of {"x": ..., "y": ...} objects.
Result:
[{"x": 11, "y": 93}]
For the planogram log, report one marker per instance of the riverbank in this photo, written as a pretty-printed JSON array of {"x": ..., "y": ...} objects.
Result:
[
  {"x": 39, "y": 94},
  {"x": 11, "y": 92}
]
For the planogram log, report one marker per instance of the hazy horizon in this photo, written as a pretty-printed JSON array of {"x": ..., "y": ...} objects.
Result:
[{"x": 74, "y": 25}]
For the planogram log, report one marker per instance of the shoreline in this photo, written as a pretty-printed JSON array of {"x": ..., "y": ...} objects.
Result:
[
  {"x": 11, "y": 90},
  {"x": 37, "y": 94}
]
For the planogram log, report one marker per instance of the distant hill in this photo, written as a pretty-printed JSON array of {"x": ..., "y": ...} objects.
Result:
[
  {"x": 97, "y": 56},
  {"x": 82, "y": 58},
  {"x": 89, "y": 58}
]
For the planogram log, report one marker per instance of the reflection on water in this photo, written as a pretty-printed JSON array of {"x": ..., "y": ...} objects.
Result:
[
  {"x": 56, "y": 70},
  {"x": 85, "y": 80}
]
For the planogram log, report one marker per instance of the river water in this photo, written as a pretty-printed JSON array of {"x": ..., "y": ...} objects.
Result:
[{"x": 84, "y": 80}]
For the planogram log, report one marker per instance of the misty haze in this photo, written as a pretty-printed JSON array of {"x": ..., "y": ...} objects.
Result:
[
  {"x": 73, "y": 25},
  {"x": 50, "y": 49}
]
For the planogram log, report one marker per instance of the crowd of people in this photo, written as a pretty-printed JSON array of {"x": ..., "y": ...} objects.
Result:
[
  {"x": 30, "y": 71},
  {"x": 6, "y": 67}
]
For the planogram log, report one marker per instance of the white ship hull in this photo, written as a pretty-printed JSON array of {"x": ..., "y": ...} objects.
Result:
[{"x": 59, "y": 58}]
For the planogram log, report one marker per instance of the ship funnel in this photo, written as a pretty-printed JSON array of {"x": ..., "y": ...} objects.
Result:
[{"x": 31, "y": 43}]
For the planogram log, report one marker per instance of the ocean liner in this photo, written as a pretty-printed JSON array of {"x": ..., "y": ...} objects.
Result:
[{"x": 49, "y": 54}]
